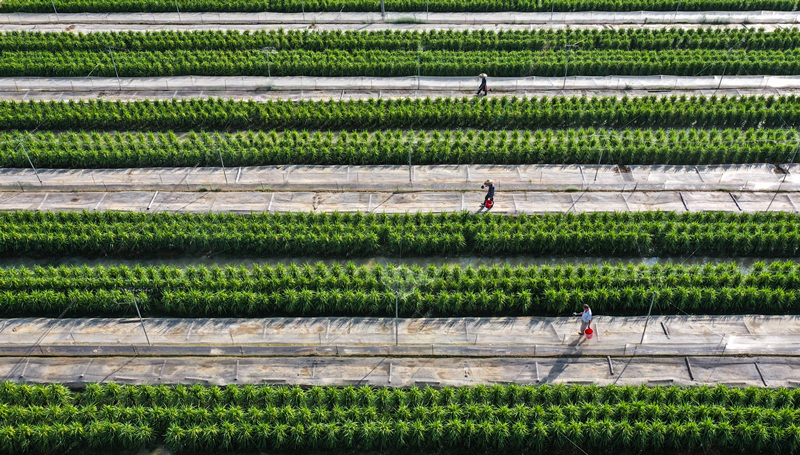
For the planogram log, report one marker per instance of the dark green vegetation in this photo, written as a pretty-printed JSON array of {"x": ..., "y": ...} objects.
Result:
[
  {"x": 296, "y": 6},
  {"x": 438, "y": 53},
  {"x": 360, "y": 291},
  {"x": 494, "y": 113},
  {"x": 55, "y": 234},
  {"x": 44, "y": 419},
  {"x": 255, "y": 148}
]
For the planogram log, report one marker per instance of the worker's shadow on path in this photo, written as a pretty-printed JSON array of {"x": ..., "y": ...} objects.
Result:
[
  {"x": 483, "y": 209},
  {"x": 561, "y": 364}
]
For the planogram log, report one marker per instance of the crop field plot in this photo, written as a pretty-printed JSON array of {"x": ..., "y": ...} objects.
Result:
[
  {"x": 245, "y": 227},
  {"x": 544, "y": 53}
]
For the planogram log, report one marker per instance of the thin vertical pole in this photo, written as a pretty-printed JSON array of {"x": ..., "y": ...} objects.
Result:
[
  {"x": 52, "y": 2},
  {"x": 396, "y": 318},
  {"x": 566, "y": 69},
  {"x": 31, "y": 162},
  {"x": 418, "y": 72},
  {"x": 597, "y": 171},
  {"x": 223, "y": 166},
  {"x": 141, "y": 320},
  {"x": 119, "y": 84},
  {"x": 724, "y": 68},
  {"x": 383, "y": 9},
  {"x": 410, "y": 178},
  {"x": 794, "y": 154},
  {"x": 648, "y": 317}
]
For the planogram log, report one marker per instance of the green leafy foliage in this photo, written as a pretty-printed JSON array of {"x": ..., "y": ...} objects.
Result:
[
  {"x": 84, "y": 150},
  {"x": 628, "y": 39},
  {"x": 348, "y": 290},
  {"x": 376, "y": 63},
  {"x": 494, "y": 113},
  {"x": 249, "y": 419},
  {"x": 92, "y": 234},
  {"x": 385, "y": 54}
]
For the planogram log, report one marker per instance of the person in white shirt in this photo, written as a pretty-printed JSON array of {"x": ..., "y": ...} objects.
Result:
[{"x": 586, "y": 318}]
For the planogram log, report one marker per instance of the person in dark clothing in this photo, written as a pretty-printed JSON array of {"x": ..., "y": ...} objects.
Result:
[
  {"x": 490, "y": 193},
  {"x": 483, "y": 88}
]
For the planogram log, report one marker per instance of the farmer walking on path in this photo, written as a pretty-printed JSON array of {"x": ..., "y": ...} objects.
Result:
[
  {"x": 586, "y": 318},
  {"x": 483, "y": 86},
  {"x": 488, "y": 201}
]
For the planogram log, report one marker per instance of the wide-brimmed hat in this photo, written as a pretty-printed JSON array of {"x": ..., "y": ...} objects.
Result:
[
  {"x": 488, "y": 182},
  {"x": 482, "y": 75}
]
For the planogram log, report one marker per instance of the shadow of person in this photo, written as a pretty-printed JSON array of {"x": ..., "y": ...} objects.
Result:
[{"x": 561, "y": 363}]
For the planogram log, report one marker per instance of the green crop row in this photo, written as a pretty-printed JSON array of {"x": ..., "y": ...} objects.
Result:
[
  {"x": 361, "y": 291},
  {"x": 495, "y": 113},
  {"x": 161, "y": 418},
  {"x": 379, "y": 63},
  {"x": 86, "y": 150},
  {"x": 296, "y": 6},
  {"x": 628, "y": 300},
  {"x": 438, "y": 40},
  {"x": 389, "y": 399},
  {"x": 395, "y": 435},
  {"x": 479, "y": 418},
  {"x": 51, "y": 234}
]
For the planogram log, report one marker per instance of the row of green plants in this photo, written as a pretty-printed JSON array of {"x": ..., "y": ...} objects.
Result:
[
  {"x": 131, "y": 234},
  {"x": 354, "y": 291},
  {"x": 297, "y": 6},
  {"x": 436, "y": 40},
  {"x": 513, "y": 417},
  {"x": 387, "y": 399},
  {"x": 381, "y": 63},
  {"x": 454, "y": 434},
  {"x": 160, "y": 418},
  {"x": 86, "y": 150},
  {"x": 319, "y": 276},
  {"x": 418, "y": 303},
  {"x": 493, "y": 113}
]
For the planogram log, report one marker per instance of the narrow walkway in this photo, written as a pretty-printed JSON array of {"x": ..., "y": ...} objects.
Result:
[
  {"x": 506, "y": 202},
  {"x": 400, "y": 189},
  {"x": 406, "y": 371},
  {"x": 448, "y": 337},
  {"x": 348, "y": 95},
  {"x": 676, "y": 350},
  {"x": 378, "y": 26},
  {"x": 591, "y": 17},
  {"x": 534, "y": 177},
  {"x": 467, "y": 85}
]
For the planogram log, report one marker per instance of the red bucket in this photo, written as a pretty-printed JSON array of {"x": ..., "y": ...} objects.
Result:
[
  {"x": 488, "y": 204},
  {"x": 589, "y": 331}
]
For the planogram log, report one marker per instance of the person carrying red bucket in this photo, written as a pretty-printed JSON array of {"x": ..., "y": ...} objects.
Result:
[
  {"x": 586, "y": 318},
  {"x": 488, "y": 201}
]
